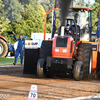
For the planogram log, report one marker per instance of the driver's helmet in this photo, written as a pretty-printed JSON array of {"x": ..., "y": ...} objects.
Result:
[{"x": 67, "y": 26}]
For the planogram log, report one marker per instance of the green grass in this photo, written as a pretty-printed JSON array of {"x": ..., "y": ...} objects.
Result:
[{"x": 5, "y": 61}]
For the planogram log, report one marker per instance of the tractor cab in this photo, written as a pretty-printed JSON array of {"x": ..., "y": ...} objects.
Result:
[
  {"x": 82, "y": 16},
  {"x": 73, "y": 27}
]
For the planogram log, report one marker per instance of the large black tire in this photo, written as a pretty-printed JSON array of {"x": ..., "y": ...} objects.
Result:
[
  {"x": 84, "y": 54},
  {"x": 3, "y": 48},
  {"x": 46, "y": 49},
  {"x": 41, "y": 68},
  {"x": 78, "y": 71}
]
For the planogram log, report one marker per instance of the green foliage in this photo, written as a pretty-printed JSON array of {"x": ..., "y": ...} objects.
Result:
[
  {"x": 97, "y": 1},
  {"x": 26, "y": 2},
  {"x": 3, "y": 19},
  {"x": 13, "y": 9},
  {"x": 23, "y": 19},
  {"x": 99, "y": 40},
  {"x": 33, "y": 18},
  {"x": 27, "y": 16},
  {"x": 95, "y": 8},
  {"x": 88, "y": 4},
  {"x": 57, "y": 24},
  {"x": 48, "y": 4},
  {"x": 82, "y": 3}
]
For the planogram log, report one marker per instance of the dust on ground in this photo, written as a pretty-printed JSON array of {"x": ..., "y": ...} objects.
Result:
[{"x": 16, "y": 85}]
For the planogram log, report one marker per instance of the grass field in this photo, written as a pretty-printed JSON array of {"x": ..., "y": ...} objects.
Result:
[{"x": 5, "y": 61}]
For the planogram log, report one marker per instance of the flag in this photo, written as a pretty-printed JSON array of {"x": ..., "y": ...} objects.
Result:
[
  {"x": 98, "y": 29},
  {"x": 54, "y": 26}
]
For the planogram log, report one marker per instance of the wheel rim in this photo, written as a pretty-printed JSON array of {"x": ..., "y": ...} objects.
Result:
[{"x": 1, "y": 48}]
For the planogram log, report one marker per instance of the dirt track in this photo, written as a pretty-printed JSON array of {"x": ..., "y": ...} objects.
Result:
[{"x": 17, "y": 85}]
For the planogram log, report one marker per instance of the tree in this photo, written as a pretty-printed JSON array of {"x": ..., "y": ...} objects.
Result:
[
  {"x": 3, "y": 20},
  {"x": 48, "y": 4},
  {"x": 97, "y": 1},
  {"x": 95, "y": 8},
  {"x": 88, "y": 4},
  {"x": 33, "y": 20},
  {"x": 26, "y": 2},
  {"x": 82, "y": 3},
  {"x": 13, "y": 9}
]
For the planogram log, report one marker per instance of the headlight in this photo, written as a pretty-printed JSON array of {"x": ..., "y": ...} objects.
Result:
[
  {"x": 64, "y": 50},
  {"x": 56, "y": 50}
]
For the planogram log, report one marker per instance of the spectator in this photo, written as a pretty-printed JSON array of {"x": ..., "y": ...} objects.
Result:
[{"x": 19, "y": 49}]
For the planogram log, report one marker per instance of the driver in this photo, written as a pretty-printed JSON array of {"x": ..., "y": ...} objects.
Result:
[
  {"x": 76, "y": 17},
  {"x": 68, "y": 31}
]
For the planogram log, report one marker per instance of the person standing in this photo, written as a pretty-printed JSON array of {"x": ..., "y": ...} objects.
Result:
[
  {"x": 76, "y": 17},
  {"x": 19, "y": 49}
]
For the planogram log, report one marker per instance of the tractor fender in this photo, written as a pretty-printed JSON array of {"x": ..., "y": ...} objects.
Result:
[
  {"x": 2, "y": 37},
  {"x": 78, "y": 42}
]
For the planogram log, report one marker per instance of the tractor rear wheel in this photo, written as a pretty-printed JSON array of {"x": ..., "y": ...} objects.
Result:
[
  {"x": 40, "y": 68},
  {"x": 78, "y": 71},
  {"x": 84, "y": 54},
  {"x": 46, "y": 49},
  {"x": 3, "y": 48}
]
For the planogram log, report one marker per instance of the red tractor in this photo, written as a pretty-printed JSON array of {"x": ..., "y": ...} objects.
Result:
[
  {"x": 66, "y": 55},
  {"x": 58, "y": 57}
]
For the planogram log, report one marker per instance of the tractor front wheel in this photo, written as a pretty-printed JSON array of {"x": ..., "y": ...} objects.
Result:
[
  {"x": 78, "y": 71},
  {"x": 40, "y": 68}
]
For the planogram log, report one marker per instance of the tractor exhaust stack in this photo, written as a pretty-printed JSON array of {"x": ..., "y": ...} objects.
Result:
[{"x": 62, "y": 30}]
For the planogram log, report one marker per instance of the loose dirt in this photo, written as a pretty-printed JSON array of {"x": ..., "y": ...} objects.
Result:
[{"x": 16, "y": 85}]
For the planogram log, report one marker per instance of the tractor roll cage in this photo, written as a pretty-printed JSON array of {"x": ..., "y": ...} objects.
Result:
[{"x": 46, "y": 20}]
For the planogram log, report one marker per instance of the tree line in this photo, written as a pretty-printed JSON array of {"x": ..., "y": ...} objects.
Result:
[
  {"x": 27, "y": 16},
  {"x": 21, "y": 16}
]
